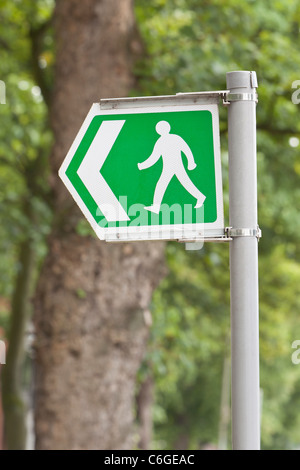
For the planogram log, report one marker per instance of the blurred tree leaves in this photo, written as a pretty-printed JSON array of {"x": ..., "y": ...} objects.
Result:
[
  {"x": 25, "y": 138},
  {"x": 192, "y": 44},
  {"x": 25, "y": 196}
]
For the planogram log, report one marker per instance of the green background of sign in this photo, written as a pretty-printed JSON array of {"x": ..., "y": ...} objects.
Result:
[{"x": 134, "y": 144}]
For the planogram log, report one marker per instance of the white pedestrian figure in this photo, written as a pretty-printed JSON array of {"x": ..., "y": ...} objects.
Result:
[{"x": 169, "y": 147}]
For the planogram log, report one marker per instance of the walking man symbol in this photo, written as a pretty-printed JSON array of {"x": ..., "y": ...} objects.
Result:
[{"x": 169, "y": 147}]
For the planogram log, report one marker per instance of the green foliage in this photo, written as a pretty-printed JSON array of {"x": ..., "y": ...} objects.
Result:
[
  {"x": 25, "y": 198},
  {"x": 191, "y": 45},
  {"x": 81, "y": 294},
  {"x": 189, "y": 340},
  {"x": 24, "y": 139},
  {"x": 84, "y": 229}
]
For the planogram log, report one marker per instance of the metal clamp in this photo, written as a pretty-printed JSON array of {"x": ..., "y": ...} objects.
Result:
[
  {"x": 243, "y": 232},
  {"x": 229, "y": 97}
]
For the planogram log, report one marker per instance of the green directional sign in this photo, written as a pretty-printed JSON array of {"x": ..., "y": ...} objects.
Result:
[{"x": 149, "y": 172}]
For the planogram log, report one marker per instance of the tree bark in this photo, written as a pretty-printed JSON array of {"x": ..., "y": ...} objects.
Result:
[
  {"x": 92, "y": 298},
  {"x": 145, "y": 400}
]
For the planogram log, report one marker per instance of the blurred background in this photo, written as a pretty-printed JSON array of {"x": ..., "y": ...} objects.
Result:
[{"x": 127, "y": 346}]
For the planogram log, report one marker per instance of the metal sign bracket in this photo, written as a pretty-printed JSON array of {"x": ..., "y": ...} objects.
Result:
[
  {"x": 229, "y": 97},
  {"x": 243, "y": 232}
]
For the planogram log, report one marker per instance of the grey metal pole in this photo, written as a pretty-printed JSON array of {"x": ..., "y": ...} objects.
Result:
[{"x": 245, "y": 391}]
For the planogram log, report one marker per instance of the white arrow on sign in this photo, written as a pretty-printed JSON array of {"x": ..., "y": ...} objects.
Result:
[{"x": 89, "y": 171}]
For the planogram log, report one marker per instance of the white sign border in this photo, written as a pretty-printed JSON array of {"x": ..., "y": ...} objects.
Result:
[{"x": 182, "y": 232}]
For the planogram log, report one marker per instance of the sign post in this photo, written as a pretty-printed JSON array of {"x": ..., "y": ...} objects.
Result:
[
  {"x": 150, "y": 169},
  {"x": 244, "y": 232}
]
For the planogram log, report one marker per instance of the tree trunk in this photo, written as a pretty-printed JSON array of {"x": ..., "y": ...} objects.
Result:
[
  {"x": 92, "y": 297},
  {"x": 14, "y": 407},
  {"x": 144, "y": 412}
]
